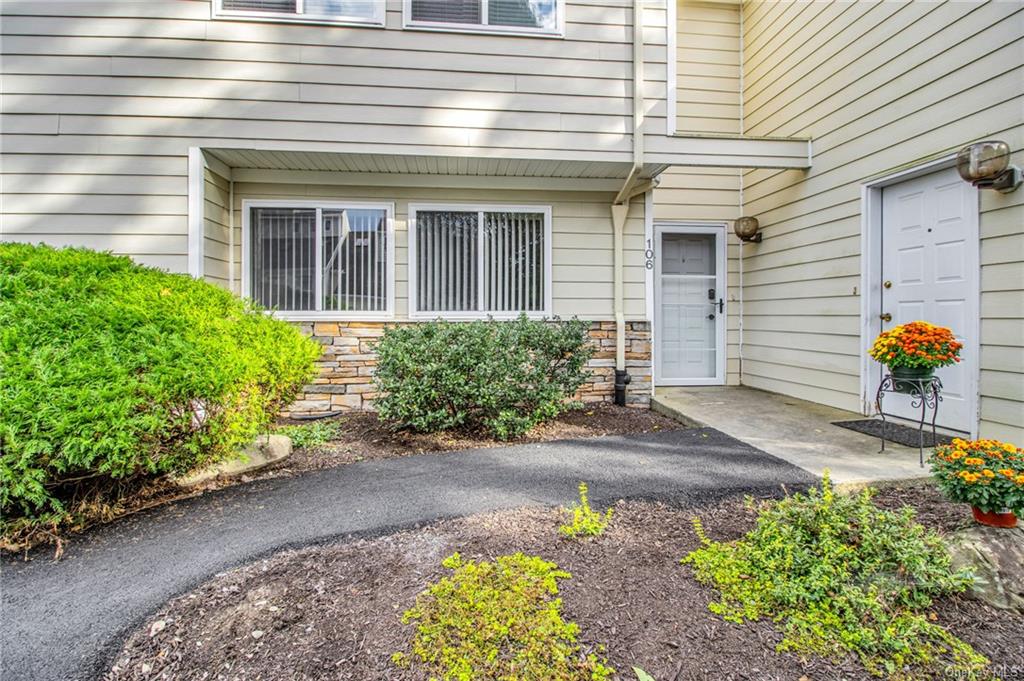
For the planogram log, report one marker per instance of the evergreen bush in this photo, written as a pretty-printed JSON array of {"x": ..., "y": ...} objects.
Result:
[
  {"x": 112, "y": 373},
  {"x": 502, "y": 377}
]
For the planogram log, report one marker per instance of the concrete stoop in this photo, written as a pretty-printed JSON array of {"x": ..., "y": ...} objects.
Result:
[{"x": 795, "y": 431}]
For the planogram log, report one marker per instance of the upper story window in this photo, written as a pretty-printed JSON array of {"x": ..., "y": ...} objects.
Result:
[
  {"x": 541, "y": 17},
  {"x": 314, "y": 11}
]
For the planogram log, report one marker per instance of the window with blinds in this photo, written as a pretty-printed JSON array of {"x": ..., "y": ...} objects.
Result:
[
  {"x": 329, "y": 258},
  {"x": 480, "y": 262},
  {"x": 341, "y": 11},
  {"x": 538, "y": 16}
]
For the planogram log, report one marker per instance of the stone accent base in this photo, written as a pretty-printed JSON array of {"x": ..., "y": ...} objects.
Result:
[{"x": 347, "y": 365}]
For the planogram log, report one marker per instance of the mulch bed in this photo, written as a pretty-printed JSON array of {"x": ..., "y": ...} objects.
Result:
[
  {"x": 333, "y": 611},
  {"x": 363, "y": 436}
]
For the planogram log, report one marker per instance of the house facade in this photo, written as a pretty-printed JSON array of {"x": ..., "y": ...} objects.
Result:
[{"x": 357, "y": 163}]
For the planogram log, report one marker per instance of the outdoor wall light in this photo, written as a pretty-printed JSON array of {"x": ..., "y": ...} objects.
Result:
[
  {"x": 747, "y": 229},
  {"x": 986, "y": 165}
]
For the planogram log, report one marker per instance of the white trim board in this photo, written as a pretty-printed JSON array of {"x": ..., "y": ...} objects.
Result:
[
  {"x": 323, "y": 315},
  {"x": 196, "y": 211},
  {"x": 720, "y": 230},
  {"x": 871, "y": 280},
  {"x": 414, "y": 208}
]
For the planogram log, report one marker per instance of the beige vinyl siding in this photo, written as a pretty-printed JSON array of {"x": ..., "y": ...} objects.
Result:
[
  {"x": 581, "y": 238},
  {"x": 217, "y": 238},
  {"x": 708, "y": 67},
  {"x": 879, "y": 86},
  {"x": 103, "y": 99},
  {"x": 709, "y": 195}
]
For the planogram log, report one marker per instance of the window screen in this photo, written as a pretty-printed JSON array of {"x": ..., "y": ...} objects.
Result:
[{"x": 480, "y": 261}]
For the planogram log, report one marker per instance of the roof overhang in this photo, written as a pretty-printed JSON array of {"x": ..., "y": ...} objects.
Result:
[{"x": 421, "y": 170}]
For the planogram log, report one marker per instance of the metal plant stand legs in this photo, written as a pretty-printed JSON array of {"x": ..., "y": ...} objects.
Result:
[{"x": 924, "y": 393}]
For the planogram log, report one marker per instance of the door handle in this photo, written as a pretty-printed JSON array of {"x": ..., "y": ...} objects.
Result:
[
  {"x": 885, "y": 317},
  {"x": 721, "y": 306}
]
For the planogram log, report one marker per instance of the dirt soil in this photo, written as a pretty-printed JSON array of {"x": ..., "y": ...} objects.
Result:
[
  {"x": 333, "y": 611},
  {"x": 363, "y": 436}
]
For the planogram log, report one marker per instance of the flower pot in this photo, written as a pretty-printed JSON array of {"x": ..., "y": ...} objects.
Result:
[
  {"x": 994, "y": 518},
  {"x": 918, "y": 374}
]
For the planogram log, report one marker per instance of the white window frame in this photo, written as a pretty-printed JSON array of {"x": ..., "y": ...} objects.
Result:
[
  {"x": 558, "y": 32},
  {"x": 320, "y": 206},
  {"x": 480, "y": 209},
  {"x": 378, "y": 21}
]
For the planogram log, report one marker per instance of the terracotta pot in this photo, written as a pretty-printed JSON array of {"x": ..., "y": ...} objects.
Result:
[
  {"x": 994, "y": 518},
  {"x": 918, "y": 374}
]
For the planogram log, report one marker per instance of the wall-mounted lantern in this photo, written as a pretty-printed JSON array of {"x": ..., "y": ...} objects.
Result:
[
  {"x": 747, "y": 229},
  {"x": 986, "y": 165}
]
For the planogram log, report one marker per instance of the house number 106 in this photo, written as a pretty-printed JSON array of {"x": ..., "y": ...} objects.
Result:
[{"x": 649, "y": 256}]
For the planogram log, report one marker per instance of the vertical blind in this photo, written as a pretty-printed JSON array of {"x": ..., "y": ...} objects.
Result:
[
  {"x": 480, "y": 261},
  {"x": 447, "y": 11},
  {"x": 352, "y": 274},
  {"x": 284, "y": 258},
  {"x": 355, "y": 9},
  {"x": 355, "y": 260},
  {"x": 525, "y": 13},
  {"x": 279, "y": 6}
]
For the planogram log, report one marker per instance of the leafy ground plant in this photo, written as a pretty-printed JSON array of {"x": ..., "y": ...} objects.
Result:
[
  {"x": 310, "y": 435},
  {"x": 841, "y": 576},
  {"x": 585, "y": 521},
  {"x": 498, "y": 620}
]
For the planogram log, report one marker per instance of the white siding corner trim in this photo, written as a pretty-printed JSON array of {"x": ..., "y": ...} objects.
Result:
[
  {"x": 196, "y": 217},
  {"x": 414, "y": 208}
]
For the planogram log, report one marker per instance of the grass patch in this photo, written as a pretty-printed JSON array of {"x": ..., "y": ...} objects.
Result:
[{"x": 310, "y": 435}]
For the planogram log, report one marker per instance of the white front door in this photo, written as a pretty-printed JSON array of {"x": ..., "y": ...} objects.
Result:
[
  {"x": 930, "y": 272},
  {"x": 689, "y": 311}
]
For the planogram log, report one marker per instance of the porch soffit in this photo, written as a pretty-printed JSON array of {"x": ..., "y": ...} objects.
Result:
[{"x": 419, "y": 164}]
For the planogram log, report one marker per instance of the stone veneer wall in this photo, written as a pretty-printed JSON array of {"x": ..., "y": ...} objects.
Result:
[{"x": 346, "y": 367}]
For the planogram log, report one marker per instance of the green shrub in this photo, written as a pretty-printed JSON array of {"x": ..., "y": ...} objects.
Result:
[
  {"x": 500, "y": 377},
  {"x": 840, "y": 575},
  {"x": 498, "y": 620},
  {"x": 111, "y": 373},
  {"x": 585, "y": 521},
  {"x": 310, "y": 435}
]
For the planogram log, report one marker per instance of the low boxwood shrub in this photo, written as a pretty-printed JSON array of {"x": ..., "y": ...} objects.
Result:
[
  {"x": 841, "y": 576},
  {"x": 501, "y": 377},
  {"x": 112, "y": 373},
  {"x": 498, "y": 620}
]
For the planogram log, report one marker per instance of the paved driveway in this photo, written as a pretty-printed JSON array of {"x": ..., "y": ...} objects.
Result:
[{"x": 66, "y": 620}]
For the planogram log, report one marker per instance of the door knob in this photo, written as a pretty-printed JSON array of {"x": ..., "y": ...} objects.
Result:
[
  {"x": 885, "y": 317},
  {"x": 887, "y": 284},
  {"x": 711, "y": 316}
]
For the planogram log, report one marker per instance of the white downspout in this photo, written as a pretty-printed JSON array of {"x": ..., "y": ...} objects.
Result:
[{"x": 620, "y": 207}]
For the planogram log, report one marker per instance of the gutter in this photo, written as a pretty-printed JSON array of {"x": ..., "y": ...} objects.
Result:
[{"x": 620, "y": 206}]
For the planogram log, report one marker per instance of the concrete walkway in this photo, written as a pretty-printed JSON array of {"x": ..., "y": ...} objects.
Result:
[
  {"x": 65, "y": 620},
  {"x": 796, "y": 431}
]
